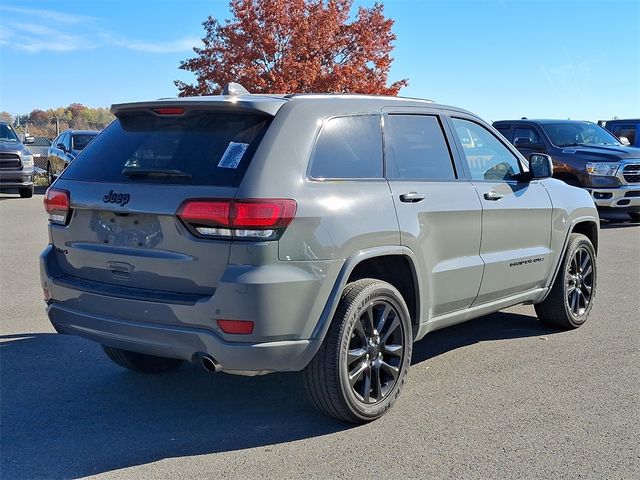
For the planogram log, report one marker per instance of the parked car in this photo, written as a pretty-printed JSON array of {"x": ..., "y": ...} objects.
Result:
[
  {"x": 626, "y": 130},
  {"x": 584, "y": 155},
  {"x": 65, "y": 148},
  {"x": 16, "y": 162},
  {"x": 256, "y": 234}
]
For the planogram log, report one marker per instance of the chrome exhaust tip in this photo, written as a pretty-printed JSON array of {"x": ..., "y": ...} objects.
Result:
[{"x": 209, "y": 364}]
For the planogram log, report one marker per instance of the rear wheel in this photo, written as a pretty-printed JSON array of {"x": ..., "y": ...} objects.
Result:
[
  {"x": 360, "y": 369},
  {"x": 140, "y": 362},
  {"x": 26, "y": 192},
  {"x": 571, "y": 298}
]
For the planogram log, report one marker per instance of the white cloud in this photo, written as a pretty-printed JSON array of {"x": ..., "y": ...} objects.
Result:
[
  {"x": 72, "y": 32},
  {"x": 60, "y": 17}
]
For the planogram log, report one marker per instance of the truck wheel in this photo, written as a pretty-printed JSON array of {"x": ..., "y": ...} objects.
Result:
[
  {"x": 360, "y": 369},
  {"x": 140, "y": 362},
  {"x": 26, "y": 192},
  {"x": 50, "y": 177},
  {"x": 571, "y": 298}
]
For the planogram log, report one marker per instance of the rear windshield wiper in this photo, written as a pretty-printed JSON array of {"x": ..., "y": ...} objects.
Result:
[{"x": 154, "y": 172}]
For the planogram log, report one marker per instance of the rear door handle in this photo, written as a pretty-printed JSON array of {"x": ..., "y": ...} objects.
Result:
[
  {"x": 411, "y": 197},
  {"x": 493, "y": 195}
]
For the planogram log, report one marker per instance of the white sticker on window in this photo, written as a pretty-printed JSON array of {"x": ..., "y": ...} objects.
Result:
[{"x": 232, "y": 155}]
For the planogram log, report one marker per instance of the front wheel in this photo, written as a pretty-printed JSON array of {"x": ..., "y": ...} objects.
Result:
[
  {"x": 50, "y": 176},
  {"x": 571, "y": 298},
  {"x": 26, "y": 192},
  {"x": 360, "y": 369},
  {"x": 140, "y": 362}
]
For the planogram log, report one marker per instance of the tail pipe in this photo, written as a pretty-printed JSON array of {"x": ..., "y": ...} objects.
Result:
[{"x": 209, "y": 363}]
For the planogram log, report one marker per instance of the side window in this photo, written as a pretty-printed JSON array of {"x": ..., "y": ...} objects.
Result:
[
  {"x": 504, "y": 130},
  {"x": 627, "y": 131},
  {"x": 527, "y": 132},
  {"x": 487, "y": 157},
  {"x": 348, "y": 147},
  {"x": 417, "y": 148}
]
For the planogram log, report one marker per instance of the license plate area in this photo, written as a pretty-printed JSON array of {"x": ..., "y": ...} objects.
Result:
[{"x": 133, "y": 230}]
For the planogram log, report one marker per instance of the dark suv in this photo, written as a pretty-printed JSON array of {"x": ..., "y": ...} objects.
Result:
[
  {"x": 261, "y": 233},
  {"x": 64, "y": 149},
  {"x": 16, "y": 162},
  {"x": 626, "y": 130},
  {"x": 584, "y": 155}
]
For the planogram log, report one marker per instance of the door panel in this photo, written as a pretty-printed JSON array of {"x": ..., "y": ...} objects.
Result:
[
  {"x": 439, "y": 216},
  {"x": 516, "y": 238},
  {"x": 443, "y": 231},
  {"x": 516, "y": 213}
]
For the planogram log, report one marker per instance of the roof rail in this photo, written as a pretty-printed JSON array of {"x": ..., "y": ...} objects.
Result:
[{"x": 235, "y": 89}]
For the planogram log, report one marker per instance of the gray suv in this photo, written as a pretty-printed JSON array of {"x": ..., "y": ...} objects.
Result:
[{"x": 317, "y": 233}]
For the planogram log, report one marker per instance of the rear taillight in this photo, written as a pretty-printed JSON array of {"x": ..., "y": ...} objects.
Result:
[
  {"x": 57, "y": 203},
  {"x": 237, "y": 327},
  {"x": 259, "y": 219}
]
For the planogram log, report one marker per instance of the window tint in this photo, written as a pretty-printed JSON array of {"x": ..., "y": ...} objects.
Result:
[
  {"x": 627, "y": 131},
  {"x": 504, "y": 130},
  {"x": 81, "y": 140},
  {"x": 198, "y": 149},
  {"x": 348, "y": 147},
  {"x": 417, "y": 149},
  {"x": 526, "y": 132},
  {"x": 487, "y": 157},
  {"x": 67, "y": 140}
]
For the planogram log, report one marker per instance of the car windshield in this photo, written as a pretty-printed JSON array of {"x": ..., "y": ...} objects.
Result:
[
  {"x": 569, "y": 134},
  {"x": 81, "y": 141},
  {"x": 7, "y": 134}
]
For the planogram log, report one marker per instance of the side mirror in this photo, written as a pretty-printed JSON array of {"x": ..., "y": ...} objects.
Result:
[
  {"x": 525, "y": 142},
  {"x": 625, "y": 141},
  {"x": 540, "y": 166},
  {"x": 61, "y": 147},
  {"x": 29, "y": 140}
]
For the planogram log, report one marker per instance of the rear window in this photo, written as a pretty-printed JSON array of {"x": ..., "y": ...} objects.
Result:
[
  {"x": 198, "y": 149},
  {"x": 81, "y": 140}
]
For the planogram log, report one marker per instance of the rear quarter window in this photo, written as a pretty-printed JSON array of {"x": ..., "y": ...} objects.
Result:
[
  {"x": 348, "y": 147},
  {"x": 208, "y": 148}
]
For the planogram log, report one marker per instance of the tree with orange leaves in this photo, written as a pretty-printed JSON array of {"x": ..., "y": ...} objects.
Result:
[{"x": 295, "y": 46}]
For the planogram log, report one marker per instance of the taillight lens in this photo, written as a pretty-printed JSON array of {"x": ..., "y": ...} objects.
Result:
[
  {"x": 169, "y": 111},
  {"x": 57, "y": 203},
  {"x": 237, "y": 327},
  {"x": 257, "y": 219}
]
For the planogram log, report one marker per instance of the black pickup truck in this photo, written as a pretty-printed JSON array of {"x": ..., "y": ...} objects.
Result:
[{"x": 584, "y": 155}]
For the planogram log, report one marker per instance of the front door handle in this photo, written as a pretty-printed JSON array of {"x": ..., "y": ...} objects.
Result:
[
  {"x": 493, "y": 195},
  {"x": 411, "y": 197}
]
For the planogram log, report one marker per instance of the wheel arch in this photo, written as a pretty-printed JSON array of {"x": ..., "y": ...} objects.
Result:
[{"x": 377, "y": 262}]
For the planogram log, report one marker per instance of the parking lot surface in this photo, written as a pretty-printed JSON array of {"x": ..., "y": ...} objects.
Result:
[{"x": 498, "y": 397}]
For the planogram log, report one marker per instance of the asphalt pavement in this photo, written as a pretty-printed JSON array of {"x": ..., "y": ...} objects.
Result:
[{"x": 500, "y": 397}]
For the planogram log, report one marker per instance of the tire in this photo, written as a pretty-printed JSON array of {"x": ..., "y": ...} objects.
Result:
[
  {"x": 376, "y": 360},
  {"x": 50, "y": 177},
  {"x": 571, "y": 298},
  {"x": 26, "y": 192},
  {"x": 140, "y": 362}
]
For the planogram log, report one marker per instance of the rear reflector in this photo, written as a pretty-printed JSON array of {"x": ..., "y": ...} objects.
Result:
[
  {"x": 57, "y": 204},
  {"x": 238, "y": 327},
  {"x": 259, "y": 219},
  {"x": 169, "y": 111}
]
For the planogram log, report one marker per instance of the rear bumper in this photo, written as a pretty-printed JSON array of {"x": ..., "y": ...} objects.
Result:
[
  {"x": 623, "y": 197},
  {"x": 183, "y": 342},
  {"x": 284, "y": 301}
]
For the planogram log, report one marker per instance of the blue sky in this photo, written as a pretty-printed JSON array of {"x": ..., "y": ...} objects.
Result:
[{"x": 501, "y": 59}]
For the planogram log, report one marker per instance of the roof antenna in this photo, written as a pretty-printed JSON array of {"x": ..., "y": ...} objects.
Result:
[{"x": 235, "y": 89}]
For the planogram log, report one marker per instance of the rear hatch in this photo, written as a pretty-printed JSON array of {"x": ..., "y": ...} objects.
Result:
[{"x": 122, "y": 236}]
